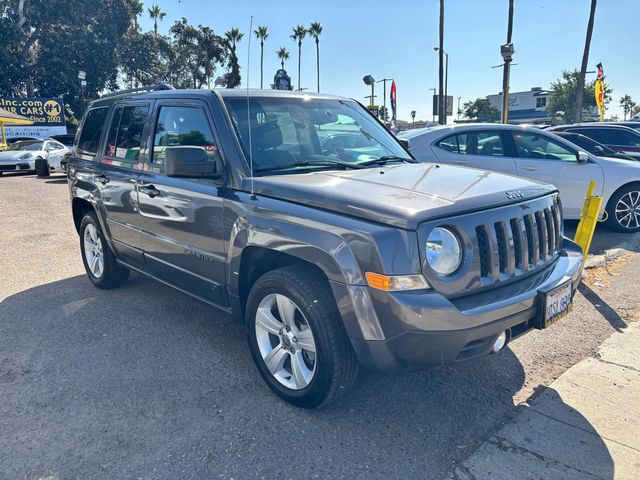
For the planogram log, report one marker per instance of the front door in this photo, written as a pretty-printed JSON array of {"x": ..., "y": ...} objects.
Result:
[
  {"x": 181, "y": 218},
  {"x": 544, "y": 159}
]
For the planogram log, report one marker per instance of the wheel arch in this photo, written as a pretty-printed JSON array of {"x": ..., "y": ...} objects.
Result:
[
  {"x": 80, "y": 207},
  {"x": 621, "y": 187}
]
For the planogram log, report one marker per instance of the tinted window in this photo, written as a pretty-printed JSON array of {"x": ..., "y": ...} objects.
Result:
[
  {"x": 92, "y": 131},
  {"x": 182, "y": 126},
  {"x": 125, "y": 134},
  {"x": 619, "y": 136},
  {"x": 487, "y": 143},
  {"x": 533, "y": 145}
]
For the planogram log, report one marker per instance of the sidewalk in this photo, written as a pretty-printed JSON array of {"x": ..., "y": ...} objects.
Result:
[{"x": 585, "y": 425}]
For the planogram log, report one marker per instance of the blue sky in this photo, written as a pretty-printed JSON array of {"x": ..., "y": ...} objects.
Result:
[{"x": 396, "y": 39}]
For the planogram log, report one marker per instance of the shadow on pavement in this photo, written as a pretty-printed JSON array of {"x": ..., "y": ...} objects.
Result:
[
  {"x": 143, "y": 381},
  {"x": 603, "y": 307}
]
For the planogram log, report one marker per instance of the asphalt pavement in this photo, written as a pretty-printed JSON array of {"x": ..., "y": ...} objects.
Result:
[{"x": 145, "y": 382}]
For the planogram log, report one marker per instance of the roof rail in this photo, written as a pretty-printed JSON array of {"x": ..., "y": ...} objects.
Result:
[{"x": 149, "y": 88}]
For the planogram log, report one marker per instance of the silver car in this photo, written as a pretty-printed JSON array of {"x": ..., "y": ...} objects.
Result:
[
  {"x": 539, "y": 155},
  {"x": 22, "y": 156}
]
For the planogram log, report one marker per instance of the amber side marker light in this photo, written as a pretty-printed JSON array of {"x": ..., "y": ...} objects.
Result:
[{"x": 392, "y": 283}]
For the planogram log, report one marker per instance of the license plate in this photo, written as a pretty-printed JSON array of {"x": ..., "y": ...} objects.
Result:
[{"x": 557, "y": 304}]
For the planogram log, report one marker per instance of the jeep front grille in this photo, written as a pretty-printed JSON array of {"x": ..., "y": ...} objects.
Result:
[{"x": 511, "y": 247}]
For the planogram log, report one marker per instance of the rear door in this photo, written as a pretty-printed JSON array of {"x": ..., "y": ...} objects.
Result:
[
  {"x": 120, "y": 168},
  {"x": 181, "y": 218},
  {"x": 543, "y": 158},
  {"x": 484, "y": 149}
]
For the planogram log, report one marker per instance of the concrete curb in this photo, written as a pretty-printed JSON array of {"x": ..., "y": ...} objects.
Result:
[{"x": 631, "y": 245}]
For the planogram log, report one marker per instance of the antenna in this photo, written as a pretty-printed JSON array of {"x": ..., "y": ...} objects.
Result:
[{"x": 248, "y": 111}]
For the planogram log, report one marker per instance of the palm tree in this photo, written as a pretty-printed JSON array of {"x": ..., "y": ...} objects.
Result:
[
  {"x": 577, "y": 116},
  {"x": 413, "y": 116},
  {"x": 261, "y": 34},
  {"x": 283, "y": 55},
  {"x": 299, "y": 33},
  {"x": 627, "y": 105},
  {"x": 156, "y": 15},
  {"x": 315, "y": 29},
  {"x": 231, "y": 39}
]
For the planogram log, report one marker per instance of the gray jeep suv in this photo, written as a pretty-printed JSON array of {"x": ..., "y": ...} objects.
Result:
[{"x": 334, "y": 254}]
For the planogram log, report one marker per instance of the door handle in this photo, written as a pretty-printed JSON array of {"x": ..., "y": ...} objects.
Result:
[
  {"x": 529, "y": 169},
  {"x": 149, "y": 190},
  {"x": 103, "y": 179}
]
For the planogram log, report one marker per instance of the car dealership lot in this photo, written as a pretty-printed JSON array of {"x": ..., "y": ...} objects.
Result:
[{"x": 144, "y": 382}]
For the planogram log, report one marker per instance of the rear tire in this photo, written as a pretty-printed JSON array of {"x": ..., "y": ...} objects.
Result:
[
  {"x": 99, "y": 261},
  {"x": 42, "y": 167},
  {"x": 315, "y": 363},
  {"x": 623, "y": 210}
]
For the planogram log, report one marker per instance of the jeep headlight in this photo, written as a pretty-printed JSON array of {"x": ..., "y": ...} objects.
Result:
[{"x": 444, "y": 252}]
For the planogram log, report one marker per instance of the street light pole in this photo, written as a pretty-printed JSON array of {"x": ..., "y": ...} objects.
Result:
[
  {"x": 446, "y": 85},
  {"x": 384, "y": 93},
  {"x": 433, "y": 110},
  {"x": 507, "y": 52}
]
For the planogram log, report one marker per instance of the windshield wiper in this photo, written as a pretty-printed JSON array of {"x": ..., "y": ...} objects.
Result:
[
  {"x": 387, "y": 159},
  {"x": 307, "y": 163}
]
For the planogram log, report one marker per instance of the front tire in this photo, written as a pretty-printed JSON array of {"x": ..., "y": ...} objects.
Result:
[
  {"x": 623, "y": 210},
  {"x": 297, "y": 339},
  {"x": 42, "y": 167},
  {"x": 99, "y": 261}
]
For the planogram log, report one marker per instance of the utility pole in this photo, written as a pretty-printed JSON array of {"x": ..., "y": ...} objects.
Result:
[
  {"x": 507, "y": 52},
  {"x": 442, "y": 119},
  {"x": 577, "y": 115},
  {"x": 433, "y": 110}
]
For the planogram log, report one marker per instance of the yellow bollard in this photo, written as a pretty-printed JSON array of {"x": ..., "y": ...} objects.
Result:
[{"x": 588, "y": 219}]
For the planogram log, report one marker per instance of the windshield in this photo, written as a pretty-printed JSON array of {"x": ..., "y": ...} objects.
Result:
[
  {"x": 26, "y": 145},
  {"x": 308, "y": 133}
]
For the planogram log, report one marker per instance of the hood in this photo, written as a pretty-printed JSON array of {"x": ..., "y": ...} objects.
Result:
[
  {"x": 12, "y": 154},
  {"x": 402, "y": 195}
]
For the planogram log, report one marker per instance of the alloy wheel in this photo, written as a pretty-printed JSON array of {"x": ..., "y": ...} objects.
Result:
[
  {"x": 285, "y": 341},
  {"x": 93, "y": 251},
  {"x": 628, "y": 210}
]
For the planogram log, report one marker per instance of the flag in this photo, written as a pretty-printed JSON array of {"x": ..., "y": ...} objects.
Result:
[
  {"x": 393, "y": 101},
  {"x": 599, "y": 91}
]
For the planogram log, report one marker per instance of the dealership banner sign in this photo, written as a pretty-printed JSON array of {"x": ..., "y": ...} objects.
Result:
[{"x": 47, "y": 115}]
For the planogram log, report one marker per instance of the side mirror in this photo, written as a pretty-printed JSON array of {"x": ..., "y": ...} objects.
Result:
[
  {"x": 598, "y": 150},
  {"x": 404, "y": 142},
  {"x": 188, "y": 162},
  {"x": 583, "y": 157}
]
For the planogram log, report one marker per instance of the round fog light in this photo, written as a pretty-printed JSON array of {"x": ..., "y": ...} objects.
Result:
[{"x": 500, "y": 342}]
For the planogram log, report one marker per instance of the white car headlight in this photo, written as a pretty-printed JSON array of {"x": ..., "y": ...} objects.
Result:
[
  {"x": 24, "y": 156},
  {"x": 444, "y": 252}
]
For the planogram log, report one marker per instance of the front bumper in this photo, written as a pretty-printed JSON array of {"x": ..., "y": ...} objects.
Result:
[
  {"x": 396, "y": 331},
  {"x": 15, "y": 167}
]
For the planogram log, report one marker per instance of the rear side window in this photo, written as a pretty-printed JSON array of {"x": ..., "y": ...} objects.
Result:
[
  {"x": 486, "y": 143},
  {"x": 89, "y": 140},
  {"x": 125, "y": 133},
  {"x": 182, "y": 126}
]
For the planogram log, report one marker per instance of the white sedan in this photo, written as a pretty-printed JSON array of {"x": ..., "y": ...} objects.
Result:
[
  {"x": 22, "y": 155},
  {"x": 536, "y": 154}
]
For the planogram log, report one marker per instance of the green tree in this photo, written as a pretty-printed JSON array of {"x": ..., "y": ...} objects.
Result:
[
  {"x": 262, "y": 34},
  {"x": 635, "y": 110},
  {"x": 480, "y": 110},
  {"x": 231, "y": 39},
  {"x": 315, "y": 29},
  {"x": 283, "y": 55},
  {"x": 194, "y": 55},
  {"x": 627, "y": 105},
  {"x": 298, "y": 35},
  {"x": 156, "y": 14},
  {"x": 562, "y": 98},
  {"x": 46, "y": 42}
]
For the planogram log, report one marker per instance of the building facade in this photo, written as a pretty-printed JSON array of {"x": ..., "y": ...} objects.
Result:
[{"x": 525, "y": 107}]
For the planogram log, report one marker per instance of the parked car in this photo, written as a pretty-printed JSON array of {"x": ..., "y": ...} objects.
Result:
[
  {"x": 619, "y": 138},
  {"x": 595, "y": 148},
  {"x": 355, "y": 254},
  {"x": 20, "y": 139},
  {"x": 538, "y": 155},
  {"x": 23, "y": 155}
]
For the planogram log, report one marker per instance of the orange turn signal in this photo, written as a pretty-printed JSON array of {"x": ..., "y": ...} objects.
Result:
[{"x": 396, "y": 282}]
